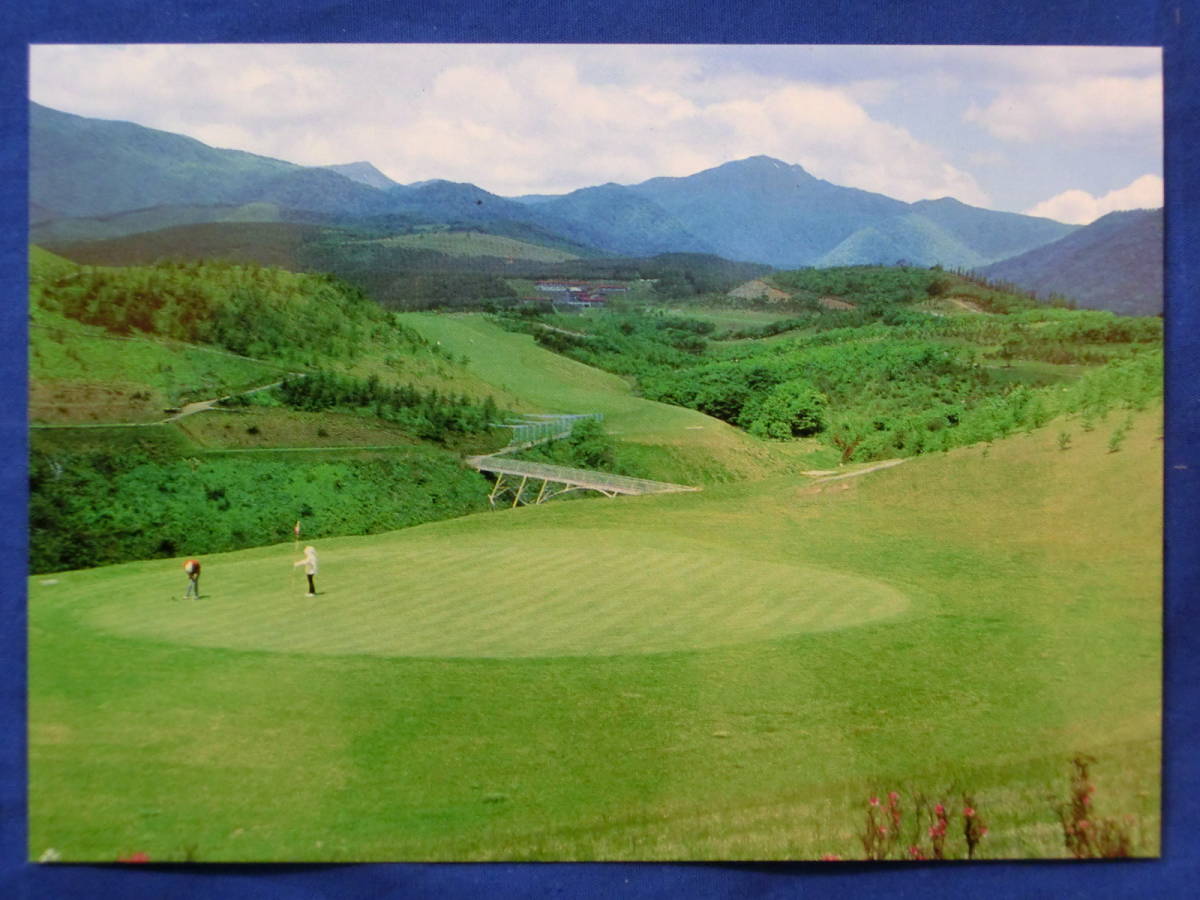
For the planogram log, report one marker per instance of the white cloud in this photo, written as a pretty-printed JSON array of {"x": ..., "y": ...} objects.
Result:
[
  {"x": 551, "y": 118},
  {"x": 987, "y": 158},
  {"x": 1080, "y": 208},
  {"x": 511, "y": 119},
  {"x": 1085, "y": 107},
  {"x": 1017, "y": 64}
]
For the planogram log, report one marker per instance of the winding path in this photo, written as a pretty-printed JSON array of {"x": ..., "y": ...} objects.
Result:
[{"x": 185, "y": 410}]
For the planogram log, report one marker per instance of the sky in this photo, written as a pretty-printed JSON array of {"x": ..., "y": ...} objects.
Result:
[{"x": 1070, "y": 133}]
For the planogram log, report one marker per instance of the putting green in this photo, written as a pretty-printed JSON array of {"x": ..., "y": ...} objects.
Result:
[{"x": 524, "y": 592}]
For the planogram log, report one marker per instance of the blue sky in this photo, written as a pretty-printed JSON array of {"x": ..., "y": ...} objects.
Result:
[{"x": 1067, "y": 132}]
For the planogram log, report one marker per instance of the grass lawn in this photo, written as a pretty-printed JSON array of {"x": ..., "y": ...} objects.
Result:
[
  {"x": 725, "y": 674},
  {"x": 80, "y": 374},
  {"x": 258, "y": 427}
]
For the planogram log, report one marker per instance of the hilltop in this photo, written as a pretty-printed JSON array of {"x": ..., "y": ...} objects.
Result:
[{"x": 1115, "y": 263}]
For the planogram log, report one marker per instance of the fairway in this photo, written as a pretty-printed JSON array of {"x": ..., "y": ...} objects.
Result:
[
  {"x": 542, "y": 381},
  {"x": 501, "y": 594},
  {"x": 724, "y": 674}
]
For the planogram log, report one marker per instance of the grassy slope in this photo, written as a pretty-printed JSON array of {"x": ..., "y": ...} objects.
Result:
[
  {"x": 674, "y": 444},
  {"x": 79, "y": 373},
  {"x": 1032, "y": 631},
  {"x": 84, "y": 374}
]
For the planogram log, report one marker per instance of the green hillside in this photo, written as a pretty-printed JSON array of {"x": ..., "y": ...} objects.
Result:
[
  {"x": 868, "y": 366},
  {"x": 906, "y": 237},
  {"x": 142, "y": 221},
  {"x": 130, "y": 457},
  {"x": 128, "y": 167},
  {"x": 672, "y": 443},
  {"x": 659, "y": 678},
  {"x": 1115, "y": 263},
  {"x": 87, "y": 373}
]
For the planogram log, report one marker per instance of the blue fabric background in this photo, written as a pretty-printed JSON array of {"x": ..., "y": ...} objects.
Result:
[{"x": 1171, "y": 25}]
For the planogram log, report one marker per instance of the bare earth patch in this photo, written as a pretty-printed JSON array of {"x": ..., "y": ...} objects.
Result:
[
  {"x": 835, "y": 303},
  {"x": 758, "y": 288},
  {"x": 53, "y": 401},
  {"x": 966, "y": 305}
]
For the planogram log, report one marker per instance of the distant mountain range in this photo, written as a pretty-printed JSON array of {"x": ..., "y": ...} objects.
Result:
[
  {"x": 1116, "y": 263},
  {"x": 92, "y": 179}
]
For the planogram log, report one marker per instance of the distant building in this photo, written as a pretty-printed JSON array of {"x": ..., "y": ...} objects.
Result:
[{"x": 579, "y": 293}]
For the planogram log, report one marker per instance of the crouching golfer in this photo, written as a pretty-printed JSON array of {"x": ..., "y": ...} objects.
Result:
[
  {"x": 310, "y": 568},
  {"x": 192, "y": 568}
]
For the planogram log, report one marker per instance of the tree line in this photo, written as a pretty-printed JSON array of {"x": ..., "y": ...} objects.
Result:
[{"x": 429, "y": 414}]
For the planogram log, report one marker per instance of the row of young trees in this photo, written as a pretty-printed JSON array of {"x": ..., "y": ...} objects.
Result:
[
  {"x": 430, "y": 414},
  {"x": 628, "y": 344}
]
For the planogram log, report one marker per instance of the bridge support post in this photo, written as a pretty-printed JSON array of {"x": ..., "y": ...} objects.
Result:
[
  {"x": 496, "y": 490},
  {"x": 520, "y": 491}
]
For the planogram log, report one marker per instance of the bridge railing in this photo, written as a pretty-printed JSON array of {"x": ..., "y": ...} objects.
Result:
[
  {"x": 537, "y": 428},
  {"x": 606, "y": 482}
]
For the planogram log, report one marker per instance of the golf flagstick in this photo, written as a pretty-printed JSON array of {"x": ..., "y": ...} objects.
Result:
[{"x": 295, "y": 550}]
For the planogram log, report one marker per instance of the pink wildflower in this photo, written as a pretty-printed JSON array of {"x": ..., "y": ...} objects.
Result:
[
  {"x": 968, "y": 811},
  {"x": 893, "y": 796},
  {"x": 831, "y": 857},
  {"x": 134, "y": 858},
  {"x": 940, "y": 810},
  {"x": 874, "y": 801}
]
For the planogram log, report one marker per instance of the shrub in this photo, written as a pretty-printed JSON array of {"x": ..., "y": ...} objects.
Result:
[
  {"x": 924, "y": 835},
  {"x": 91, "y": 509},
  {"x": 792, "y": 409},
  {"x": 1085, "y": 835}
]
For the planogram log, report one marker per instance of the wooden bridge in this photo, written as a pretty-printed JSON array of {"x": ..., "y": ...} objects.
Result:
[{"x": 529, "y": 482}]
